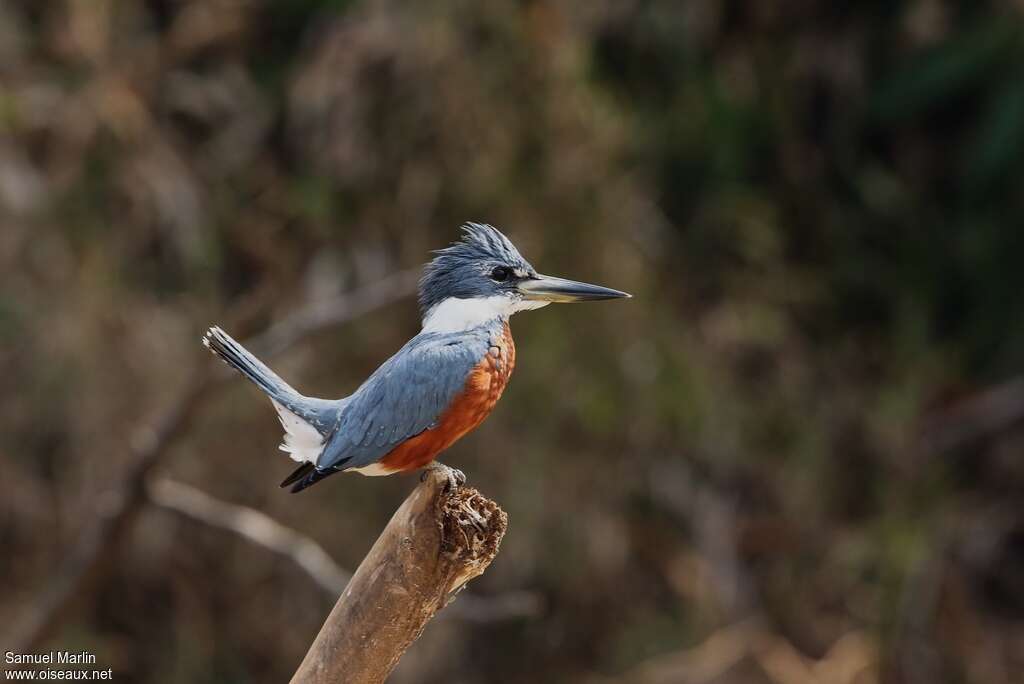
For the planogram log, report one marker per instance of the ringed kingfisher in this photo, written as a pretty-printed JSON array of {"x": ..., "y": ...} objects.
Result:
[{"x": 436, "y": 388}]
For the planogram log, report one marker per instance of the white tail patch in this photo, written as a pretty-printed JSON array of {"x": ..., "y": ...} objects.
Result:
[{"x": 301, "y": 440}]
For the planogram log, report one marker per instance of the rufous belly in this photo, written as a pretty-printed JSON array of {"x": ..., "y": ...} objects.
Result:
[{"x": 483, "y": 388}]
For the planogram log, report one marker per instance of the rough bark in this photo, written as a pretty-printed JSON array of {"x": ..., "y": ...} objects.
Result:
[{"x": 439, "y": 539}]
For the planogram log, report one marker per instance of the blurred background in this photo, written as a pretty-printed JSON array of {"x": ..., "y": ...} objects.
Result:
[{"x": 794, "y": 457}]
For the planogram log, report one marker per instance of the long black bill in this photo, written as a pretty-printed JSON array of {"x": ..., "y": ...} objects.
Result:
[{"x": 551, "y": 289}]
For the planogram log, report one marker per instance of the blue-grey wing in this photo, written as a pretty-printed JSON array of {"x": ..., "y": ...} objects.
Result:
[
  {"x": 404, "y": 397},
  {"x": 322, "y": 414}
]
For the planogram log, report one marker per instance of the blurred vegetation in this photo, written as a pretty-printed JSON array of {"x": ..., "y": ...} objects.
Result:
[{"x": 808, "y": 414}]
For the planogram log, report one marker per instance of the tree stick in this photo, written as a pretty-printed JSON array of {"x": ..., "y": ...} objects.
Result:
[
  {"x": 264, "y": 531},
  {"x": 256, "y": 526},
  {"x": 438, "y": 540},
  {"x": 97, "y": 546}
]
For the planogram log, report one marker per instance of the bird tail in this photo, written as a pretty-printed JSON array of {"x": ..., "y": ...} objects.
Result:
[
  {"x": 307, "y": 477},
  {"x": 297, "y": 474},
  {"x": 242, "y": 360},
  {"x": 304, "y": 420}
]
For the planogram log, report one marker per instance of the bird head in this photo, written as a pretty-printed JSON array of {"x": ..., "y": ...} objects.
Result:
[{"x": 483, "y": 277}]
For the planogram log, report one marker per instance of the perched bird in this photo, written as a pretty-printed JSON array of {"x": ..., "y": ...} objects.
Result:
[{"x": 439, "y": 386}]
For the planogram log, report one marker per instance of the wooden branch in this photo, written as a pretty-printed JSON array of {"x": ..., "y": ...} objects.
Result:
[
  {"x": 852, "y": 658},
  {"x": 96, "y": 546},
  {"x": 262, "y": 530},
  {"x": 256, "y": 526},
  {"x": 438, "y": 540},
  {"x": 976, "y": 417}
]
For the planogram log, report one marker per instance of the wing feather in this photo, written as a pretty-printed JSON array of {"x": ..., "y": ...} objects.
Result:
[{"x": 404, "y": 397}]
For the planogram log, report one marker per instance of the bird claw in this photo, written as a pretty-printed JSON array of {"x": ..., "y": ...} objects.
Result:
[{"x": 456, "y": 478}]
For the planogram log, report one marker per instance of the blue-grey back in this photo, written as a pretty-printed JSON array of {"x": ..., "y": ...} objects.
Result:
[{"x": 406, "y": 395}]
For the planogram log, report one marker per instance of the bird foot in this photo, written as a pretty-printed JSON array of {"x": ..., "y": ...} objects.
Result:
[{"x": 456, "y": 478}]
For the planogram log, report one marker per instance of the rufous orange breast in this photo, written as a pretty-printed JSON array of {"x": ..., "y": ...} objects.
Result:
[{"x": 483, "y": 388}]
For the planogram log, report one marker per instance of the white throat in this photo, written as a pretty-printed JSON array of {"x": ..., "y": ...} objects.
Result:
[{"x": 454, "y": 314}]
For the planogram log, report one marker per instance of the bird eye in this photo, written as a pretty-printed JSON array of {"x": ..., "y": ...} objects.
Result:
[{"x": 501, "y": 274}]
